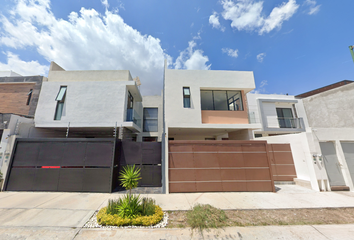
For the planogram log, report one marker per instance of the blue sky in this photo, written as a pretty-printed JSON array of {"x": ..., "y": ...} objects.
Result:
[{"x": 292, "y": 46}]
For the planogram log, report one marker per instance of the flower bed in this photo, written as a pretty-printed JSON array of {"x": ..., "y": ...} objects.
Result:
[{"x": 105, "y": 219}]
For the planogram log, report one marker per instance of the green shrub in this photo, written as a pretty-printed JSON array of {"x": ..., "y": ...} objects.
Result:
[
  {"x": 112, "y": 207},
  {"x": 205, "y": 216},
  {"x": 147, "y": 206},
  {"x": 115, "y": 220},
  {"x": 129, "y": 207}
]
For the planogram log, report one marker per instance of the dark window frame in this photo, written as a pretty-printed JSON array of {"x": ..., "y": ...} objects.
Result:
[
  {"x": 227, "y": 92},
  {"x": 186, "y": 98},
  {"x": 285, "y": 122},
  {"x": 29, "y": 96},
  {"x": 60, "y": 102},
  {"x": 151, "y": 119}
]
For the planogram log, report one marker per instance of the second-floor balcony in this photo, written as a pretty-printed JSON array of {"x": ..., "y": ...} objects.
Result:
[
  {"x": 285, "y": 122},
  {"x": 133, "y": 116}
]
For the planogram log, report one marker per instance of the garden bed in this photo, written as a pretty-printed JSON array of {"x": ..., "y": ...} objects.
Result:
[{"x": 92, "y": 223}]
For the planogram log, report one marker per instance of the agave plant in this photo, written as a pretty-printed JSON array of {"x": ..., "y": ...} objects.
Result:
[
  {"x": 129, "y": 206},
  {"x": 129, "y": 178}
]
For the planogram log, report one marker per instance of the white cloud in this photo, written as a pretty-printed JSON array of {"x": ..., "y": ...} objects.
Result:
[
  {"x": 247, "y": 15},
  {"x": 313, "y": 7},
  {"x": 21, "y": 67},
  {"x": 105, "y": 3},
  {"x": 87, "y": 41},
  {"x": 278, "y": 16},
  {"x": 261, "y": 88},
  {"x": 214, "y": 21},
  {"x": 263, "y": 83},
  {"x": 192, "y": 59},
  {"x": 230, "y": 52},
  {"x": 260, "y": 57}
]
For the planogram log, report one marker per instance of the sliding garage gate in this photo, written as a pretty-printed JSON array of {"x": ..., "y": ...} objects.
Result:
[
  {"x": 213, "y": 166},
  {"x": 78, "y": 165}
]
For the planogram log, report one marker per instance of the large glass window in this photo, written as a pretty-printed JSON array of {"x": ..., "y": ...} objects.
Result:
[
  {"x": 60, "y": 103},
  {"x": 221, "y": 100},
  {"x": 285, "y": 118},
  {"x": 150, "y": 120}
]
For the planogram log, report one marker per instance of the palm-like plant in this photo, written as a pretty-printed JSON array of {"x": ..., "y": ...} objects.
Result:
[{"x": 129, "y": 178}]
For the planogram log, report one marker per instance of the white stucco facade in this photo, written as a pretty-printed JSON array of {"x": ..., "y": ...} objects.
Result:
[
  {"x": 92, "y": 99},
  {"x": 263, "y": 108},
  {"x": 189, "y": 120}
]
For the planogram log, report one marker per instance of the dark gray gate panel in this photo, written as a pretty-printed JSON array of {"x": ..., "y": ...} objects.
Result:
[
  {"x": 71, "y": 179},
  {"x": 330, "y": 159},
  {"x": 156, "y": 176},
  {"x": 26, "y": 154},
  {"x": 62, "y": 165},
  {"x": 131, "y": 153},
  {"x": 46, "y": 180},
  {"x": 99, "y": 154},
  {"x": 147, "y": 157},
  {"x": 151, "y": 152},
  {"x": 22, "y": 179},
  {"x": 74, "y": 154},
  {"x": 50, "y": 154},
  {"x": 348, "y": 149},
  {"x": 97, "y": 180}
]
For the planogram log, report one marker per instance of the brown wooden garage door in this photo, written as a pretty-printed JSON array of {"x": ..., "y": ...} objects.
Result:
[
  {"x": 211, "y": 166},
  {"x": 282, "y": 162}
]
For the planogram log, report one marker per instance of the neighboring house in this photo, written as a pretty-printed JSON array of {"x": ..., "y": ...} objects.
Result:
[
  {"x": 87, "y": 126},
  {"x": 330, "y": 116},
  {"x": 18, "y": 96},
  {"x": 279, "y": 114},
  {"x": 89, "y": 103}
]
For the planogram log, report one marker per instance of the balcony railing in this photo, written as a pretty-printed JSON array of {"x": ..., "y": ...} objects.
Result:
[
  {"x": 133, "y": 116},
  {"x": 285, "y": 122}
]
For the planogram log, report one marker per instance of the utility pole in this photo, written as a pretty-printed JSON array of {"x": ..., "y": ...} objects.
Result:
[{"x": 351, "y": 51}]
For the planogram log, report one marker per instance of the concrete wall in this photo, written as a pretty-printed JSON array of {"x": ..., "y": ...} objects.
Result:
[
  {"x": 336, "y": 135},
  {"x": 87, "y": 104},
  {"x": 331, "y": 109},
  {"x": 57, "y": 73},
  {"x": 94, "y": 75},
  {"x": 196, "y": 80},
  {"x": 303, "y": 149},
  {"x": 331, "y": 118},
  {"x": 153, "y": 102}
]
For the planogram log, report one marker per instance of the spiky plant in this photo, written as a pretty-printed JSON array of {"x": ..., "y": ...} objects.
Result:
[{"x": 129, "y": 178}]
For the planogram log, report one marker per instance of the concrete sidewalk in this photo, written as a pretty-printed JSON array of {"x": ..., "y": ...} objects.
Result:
[
  {"x": 64, "y": 214},
  {"x": 311, "y": 232}
]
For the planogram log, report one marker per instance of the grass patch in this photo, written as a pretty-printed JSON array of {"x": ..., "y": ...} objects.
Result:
[
  {"x": 203, "y": 217},
  {"x": 274, "y": 217}
]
